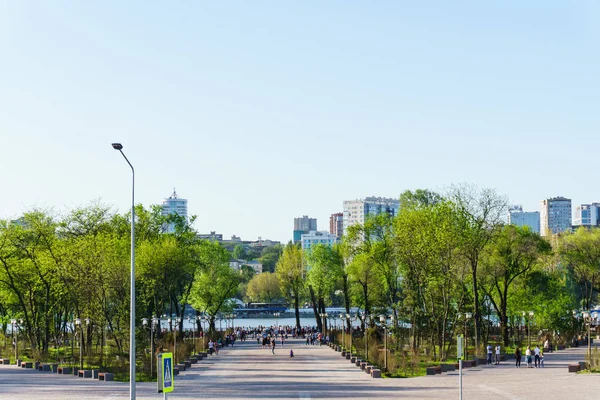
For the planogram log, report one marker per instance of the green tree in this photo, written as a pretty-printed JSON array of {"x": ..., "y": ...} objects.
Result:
[
  {"x": 581, "y": 251},
  {"x": 215, "y": 281},
  {"x": 512, "y": 253},
  {"x": 239, "y": 252},
  {"x": 264, "y": 288},
  {"x": 290, "y": 273}
]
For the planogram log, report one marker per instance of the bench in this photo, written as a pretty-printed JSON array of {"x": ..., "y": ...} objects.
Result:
[
  {"x": 188, "y": 364},
  {"x": 433, "y": 370},
  {"x": 5, "y": 361},
  {"x": 363, "y": 365},
  {"x": 448, "y": 367},
  {"x": 44, "y": 367},
  {"x": 353, "y": 360},
  {"x": 582, "y": 365},
  {"x": 106, "y": 376},
  {"x": 85, "y": 373},
  {"x": 574, "y": 368},
  {"x": 64, "y": 370},
  {"x": 375, "y": 373},
  {"x": 95, "y": 374},
  {"x": 358, "y": 361},
  {"x": 54, "y": 367},
  {"x": 368, "y": 369}
]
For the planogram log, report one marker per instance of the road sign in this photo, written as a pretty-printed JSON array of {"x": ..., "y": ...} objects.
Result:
[{"x": 165, "y": 380}]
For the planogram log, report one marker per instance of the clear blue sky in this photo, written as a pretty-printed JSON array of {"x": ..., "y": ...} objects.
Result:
[{"x": 261, "y": 111}]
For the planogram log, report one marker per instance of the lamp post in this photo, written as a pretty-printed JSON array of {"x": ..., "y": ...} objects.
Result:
[
  {"x": 204, "y": 321},
  {"x": 529, "y": 326},
  {"x": 365, "y": 319},
  {"x": 343, "y": 331},
  {"x": 587, "y": 317},
  {"x": 349, "y": 317},
  {"x": 383, "y": 321},
  {"x": 119, "y": 147},
  {"x": 177, "y": 322},
  {"x": 78, "y": 324},
  {"x": 13, "y": 322},
  {"x": 468, "y": 316}
]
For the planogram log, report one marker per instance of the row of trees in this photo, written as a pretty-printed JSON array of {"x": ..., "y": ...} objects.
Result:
[
  {"x": 442, "y": 257},
  {"x": 53, "y": 270}
]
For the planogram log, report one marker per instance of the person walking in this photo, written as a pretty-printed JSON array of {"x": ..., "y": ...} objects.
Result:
[
  {"x": 536, "y": 353},
  {"x": 518, "y": 357},
  {"x": 528, "y": 356},
  {"x": 273, "y": 346},
  {"x": 489, "y": 355},
  {"x": 497, "y": 355}
]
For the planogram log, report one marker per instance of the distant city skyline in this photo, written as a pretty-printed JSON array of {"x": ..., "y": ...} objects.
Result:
[{"x": 260, "y": 112}]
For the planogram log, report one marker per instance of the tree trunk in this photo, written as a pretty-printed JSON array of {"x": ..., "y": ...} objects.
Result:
[
  {"x": 313, "y": 300},
  {"x": 476, "y": 313},
  {"x": 297, "y": 310}
]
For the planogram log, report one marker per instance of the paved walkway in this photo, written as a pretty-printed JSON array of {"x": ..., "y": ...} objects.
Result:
[{"x": 248, "y": 372}]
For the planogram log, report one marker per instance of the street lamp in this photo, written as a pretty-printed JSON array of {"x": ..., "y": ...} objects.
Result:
[
  {"x": 177, "y": 322},
  {"x": 15, "y": 338},
  {"x": 383, "y": 321},
  {"x": 588, "y": 317},
  {"x": 78, "y": 324},
  {"x": 467, "y": 316},
  {"x": 119, "y": 147},
  {"x": 349, "y": 317},
  {"x": 343, "y": 331},
  {"x": 529, "y": 326},
  {"x": 366, "y": 320}
]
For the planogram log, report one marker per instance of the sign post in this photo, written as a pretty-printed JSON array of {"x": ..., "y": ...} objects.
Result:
[
  {"x": 460, "y": 351},
  {"x": 165, "y": 380}
]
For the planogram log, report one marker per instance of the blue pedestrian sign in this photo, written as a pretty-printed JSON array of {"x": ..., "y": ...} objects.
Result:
[{"x": 166, "y": 372}]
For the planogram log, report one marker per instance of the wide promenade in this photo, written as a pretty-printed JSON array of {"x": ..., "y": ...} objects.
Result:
[{"x": 248, "y": 372}]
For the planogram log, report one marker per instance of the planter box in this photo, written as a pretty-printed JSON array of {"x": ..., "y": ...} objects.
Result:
[{"x": 375, "y": 373}]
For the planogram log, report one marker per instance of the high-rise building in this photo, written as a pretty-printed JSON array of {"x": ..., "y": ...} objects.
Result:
[
  {"x": 518, "y": 217},
  {"x": 173, "y": 205},
  {"x": 303, "y": 225},
  {"x": 356, "y": 211},
  {"x": 587, "y": 215},
  {"x": 555, "y": 216},
  {"x": 313, "y": 237},
  {"x": 336, "y": 224}
]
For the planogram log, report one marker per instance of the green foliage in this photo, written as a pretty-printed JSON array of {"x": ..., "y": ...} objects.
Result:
[{"x": 264, "y": 288}]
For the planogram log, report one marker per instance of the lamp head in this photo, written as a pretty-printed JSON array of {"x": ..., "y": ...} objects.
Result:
[{"x": 117, "y": 146}]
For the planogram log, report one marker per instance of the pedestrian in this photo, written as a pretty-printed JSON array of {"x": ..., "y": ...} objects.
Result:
[
  {"x": 273, "y": 346},
  {"x": 518, "y": 357},
  {"x": 497, "y": 354},
  {"x": 528, "y": 356},
  {"x": 211, "y": 347},
  {"x": 489, "y": 354},
  {"x": 282, "y": 340},
  {"x": 542, "y": 359},
  {"x": 536, "y": 353},
  {"x": 291, "y": 353}
]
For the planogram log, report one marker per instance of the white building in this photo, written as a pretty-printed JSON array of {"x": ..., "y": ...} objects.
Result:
[
  {"x": 555, "y": 216},
  {"x": 173, "y": 205},
  {"x": 312, "y": 238},
  {"x": 587, "y": 215},
  {"x": 356, "y": 211},
  {"x": 518, "y": 217}
]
